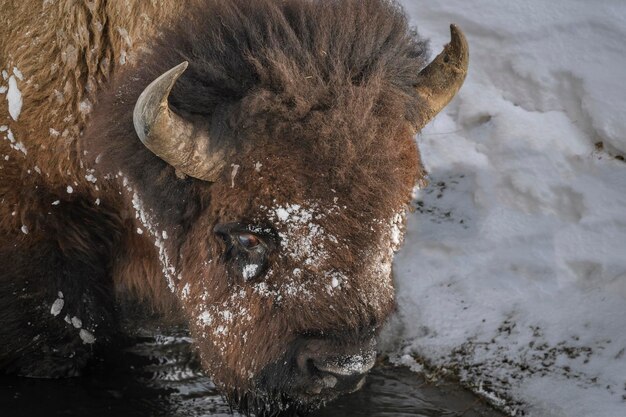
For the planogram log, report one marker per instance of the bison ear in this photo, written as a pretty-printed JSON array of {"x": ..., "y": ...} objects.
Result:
[
  {"x": 441, "y": 79},
  {"x": 172, "y": 138}
]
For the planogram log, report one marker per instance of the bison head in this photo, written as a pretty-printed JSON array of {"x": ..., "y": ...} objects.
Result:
[
  {"x": 286, "y": 294},
  {"x": 279, "y": 179}
]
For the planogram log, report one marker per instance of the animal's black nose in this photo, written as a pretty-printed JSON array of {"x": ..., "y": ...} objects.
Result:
[{"x": 332, "y": 368}]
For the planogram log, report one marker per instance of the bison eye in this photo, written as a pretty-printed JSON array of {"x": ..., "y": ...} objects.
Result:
[
  {"x": 248, "y": 248},
  {"x": 248, "y": 240}
]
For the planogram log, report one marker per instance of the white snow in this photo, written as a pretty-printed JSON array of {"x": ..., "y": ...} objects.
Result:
[
  {"x": 76, "y": 322},
  {"x": 144, "y": 216},
  {"x": 13, "y": 143},
  {"x": 205, "y": 318},
  {"x": 303, "y": 238},
  {"x": 87, "y": 337},
  {"x": 352, "y": 365},
  {"x": 24, "y": 229},
  {"x": 85, "y": 106},
  {"x": 57, "y": 305},
  {"x": 249, "y": 271},
  {"x": 91, "y": 178},
  {"x": 282, "y": 214},
  {"x": 233, "y": 175},
  {"x": 185, "y": 291},
  {"x": 69, "y": 189},
  {"x": 513, "y": 273},
  {"x": 18, "y": 73},
  {"x": 14, "y": 97}
]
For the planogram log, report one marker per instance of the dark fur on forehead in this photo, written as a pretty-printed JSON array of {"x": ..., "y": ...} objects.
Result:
[
  {"x": 299, "y": 53},
  {"x": 332, "y": 80}
]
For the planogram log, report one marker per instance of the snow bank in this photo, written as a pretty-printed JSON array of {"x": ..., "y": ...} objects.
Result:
[{"x": 513, "y": 273}]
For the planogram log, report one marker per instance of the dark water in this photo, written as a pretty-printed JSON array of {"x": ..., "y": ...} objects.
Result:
[{"x": 159, "y": 377}]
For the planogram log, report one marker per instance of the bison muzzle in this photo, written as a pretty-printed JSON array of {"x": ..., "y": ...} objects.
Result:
[{"x": 242, "y": 167}]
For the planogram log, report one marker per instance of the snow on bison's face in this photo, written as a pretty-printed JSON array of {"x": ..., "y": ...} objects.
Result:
[
  {"x": 287, "y": 294},
  {"x": 285, "y": 277}
]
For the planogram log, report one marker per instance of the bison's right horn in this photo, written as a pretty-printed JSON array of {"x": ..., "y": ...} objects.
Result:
[
  {"x": 172, "y": 138},
  {"x": 442, "y": 78}
]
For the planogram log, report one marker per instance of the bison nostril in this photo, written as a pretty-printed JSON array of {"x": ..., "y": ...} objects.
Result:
[{"x": 310, "y": 368}]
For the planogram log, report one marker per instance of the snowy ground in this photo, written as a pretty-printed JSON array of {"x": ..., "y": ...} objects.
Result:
[{"x": 514, "y": 269}]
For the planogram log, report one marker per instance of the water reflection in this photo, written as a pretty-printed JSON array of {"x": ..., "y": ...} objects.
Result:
[{"x": 158, "y": 376}]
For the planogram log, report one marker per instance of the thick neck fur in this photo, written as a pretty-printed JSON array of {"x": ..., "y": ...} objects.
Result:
[{"x": 66, "y": 51}]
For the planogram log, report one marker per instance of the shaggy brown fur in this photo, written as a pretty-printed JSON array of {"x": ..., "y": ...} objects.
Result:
[{"x": 318, "y": 100}]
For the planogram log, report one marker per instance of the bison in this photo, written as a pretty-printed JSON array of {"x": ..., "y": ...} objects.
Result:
[{"x": 240, "y": 166}]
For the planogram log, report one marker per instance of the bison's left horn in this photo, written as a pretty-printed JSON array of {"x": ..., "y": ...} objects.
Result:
[
  {"x": 441, "y": 79},
  {"x": 172, "y": 138}
]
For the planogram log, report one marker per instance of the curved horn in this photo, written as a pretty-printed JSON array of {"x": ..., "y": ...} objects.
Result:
[
  {"x": 442, "y": 78},
  {"x": 172, "y": 138}
]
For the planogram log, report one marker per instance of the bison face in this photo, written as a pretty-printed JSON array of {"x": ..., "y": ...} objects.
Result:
[
  {"x": 287, "y": 294},
  {"x": 286, "y": 274}
]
